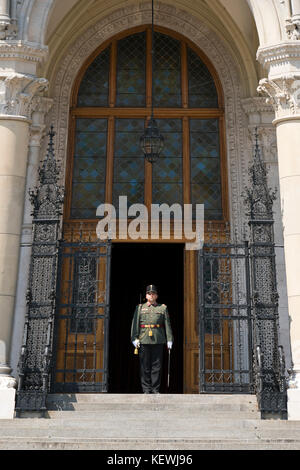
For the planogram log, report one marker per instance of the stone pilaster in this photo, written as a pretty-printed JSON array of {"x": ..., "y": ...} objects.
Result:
[{"x": 282, "y": 88}]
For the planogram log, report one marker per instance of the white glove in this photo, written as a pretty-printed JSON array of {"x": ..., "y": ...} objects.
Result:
[
  {"x": 170, "y": 344},
  {"x": 136, "y": 343}
]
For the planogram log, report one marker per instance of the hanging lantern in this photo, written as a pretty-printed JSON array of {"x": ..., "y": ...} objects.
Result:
[{"x": 152, "y": 142}]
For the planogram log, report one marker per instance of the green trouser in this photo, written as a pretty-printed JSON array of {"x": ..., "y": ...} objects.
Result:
[{"x": 151, "y": 357}]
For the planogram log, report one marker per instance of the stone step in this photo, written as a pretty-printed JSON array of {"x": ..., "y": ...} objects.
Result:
[
  {"x": 197, "y": 407},
  {"x": 140, "y": 402},
  {"x": 152, "y": 445},
  {"x": 141, "y": 407},
  {"x": 157, "y": 414},
  {"x": 60, "y": 428},
  {"x": 149, "y": 427},
  {"x": 137, "y": 421},
  {"x": 134, "y": 427},
  {"x": 156, "y": 398},
  {"x": 83, "y": 405}
]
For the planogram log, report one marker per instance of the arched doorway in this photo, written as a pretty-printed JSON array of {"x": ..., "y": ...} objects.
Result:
[{"x": 111, "y": 104}]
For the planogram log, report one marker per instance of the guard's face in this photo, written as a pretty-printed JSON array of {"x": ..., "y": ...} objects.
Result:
[{"x": 151, "y": 297}]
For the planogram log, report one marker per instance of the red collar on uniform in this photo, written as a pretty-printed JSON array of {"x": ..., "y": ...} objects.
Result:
[{"x": 154, "y": 304}]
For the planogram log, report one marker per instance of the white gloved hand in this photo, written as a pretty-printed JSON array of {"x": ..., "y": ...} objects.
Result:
[
  {"x": 136, "y": 343},
  {"x": 170, "y": 344}
]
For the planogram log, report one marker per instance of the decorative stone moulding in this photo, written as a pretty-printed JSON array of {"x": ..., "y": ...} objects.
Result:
[
  {"x": 256, "y": 105},
  {"x": 17, "y": 92},
  {"x": 23, "y": 51}
]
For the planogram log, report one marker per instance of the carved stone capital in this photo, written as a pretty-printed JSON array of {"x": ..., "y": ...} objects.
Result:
[
  {"x": 283, "y": 94},
  {"x": 17, "y": 92},
  {"x": 282, "y": 86}
]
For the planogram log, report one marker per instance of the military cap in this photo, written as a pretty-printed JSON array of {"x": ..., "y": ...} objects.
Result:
[{"x": 151, "y": 288}]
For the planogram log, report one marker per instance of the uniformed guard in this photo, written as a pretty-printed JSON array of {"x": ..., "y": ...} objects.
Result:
[{"x": 150, "y": 330}]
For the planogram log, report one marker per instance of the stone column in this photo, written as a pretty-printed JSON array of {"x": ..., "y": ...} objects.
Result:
[
  {"x": 283, "y": 90},
  {"x": 8, "y": 26},
  {"x": 4, "y": 11},
  {"x": 16, "y": 94}
]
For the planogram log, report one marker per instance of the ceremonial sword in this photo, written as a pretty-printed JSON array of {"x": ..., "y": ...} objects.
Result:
[{"x": 169, "y": 356}]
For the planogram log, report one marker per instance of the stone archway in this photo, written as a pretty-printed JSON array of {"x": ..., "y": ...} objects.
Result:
[{"x": 203, "y": 37}]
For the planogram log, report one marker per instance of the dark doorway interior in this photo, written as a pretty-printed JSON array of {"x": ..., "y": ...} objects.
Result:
[{"x": 134, "y": 266}]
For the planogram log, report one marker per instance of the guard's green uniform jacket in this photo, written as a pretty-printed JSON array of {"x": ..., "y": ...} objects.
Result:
[{"x": 151, "y": 324}]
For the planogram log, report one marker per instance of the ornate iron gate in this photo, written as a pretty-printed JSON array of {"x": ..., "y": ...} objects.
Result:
[
  {"x": 225, "y": 322},
  {"x": 238, "y": 307},
  {"x": 82, "y": 316}
]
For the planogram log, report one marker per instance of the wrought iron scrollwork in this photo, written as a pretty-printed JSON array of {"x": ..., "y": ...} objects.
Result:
[
  {"x": 224, "y": 315},
  {"x": 36, "y": 352},
  {"x": 238, "y": 306},
  {"x": 269, "y": 363}
]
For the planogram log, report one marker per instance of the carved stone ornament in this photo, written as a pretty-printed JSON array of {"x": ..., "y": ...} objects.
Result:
[
  {"x": 8, "y": 31},
  {"x": 283, "y": 94},
  {"x": 17, "y": 92},
  {"x": 292, "y": 27}
]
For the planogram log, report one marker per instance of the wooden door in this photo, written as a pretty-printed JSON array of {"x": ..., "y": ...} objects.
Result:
[
  {"x": 82, "y": 318},
  {"x": 216, "y": 330}
]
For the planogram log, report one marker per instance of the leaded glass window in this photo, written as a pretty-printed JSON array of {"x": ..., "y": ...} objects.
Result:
[
  {"x": 167, "y": 176},
  {"x": 128, "y": 162},
  {"x": 202, "y": 88},
  {"x": 111, "y": 109},
  {"x": 88, "y": 188},
  {"x": 93, "y": 89},
  {"x": 166, "y": 71},
  {"x": 131, "y": 71},
  {"x": 205, "y": 166}
]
